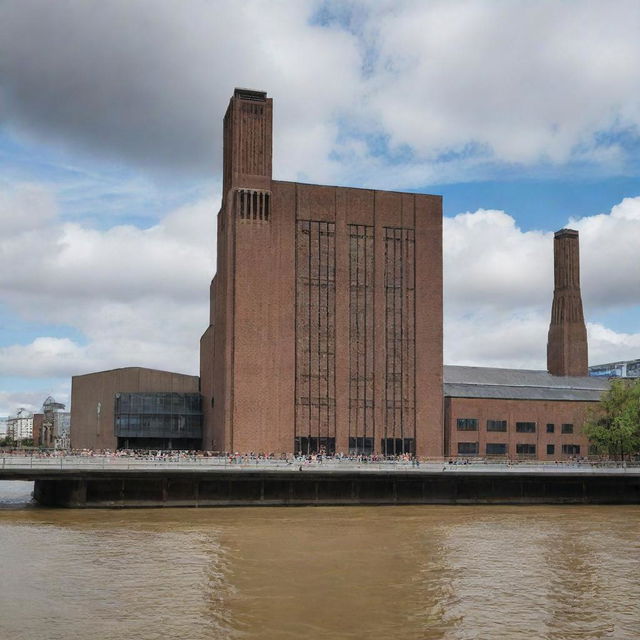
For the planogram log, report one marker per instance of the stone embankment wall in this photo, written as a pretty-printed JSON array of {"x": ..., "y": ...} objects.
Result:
[{"x": 309, "y": 488}]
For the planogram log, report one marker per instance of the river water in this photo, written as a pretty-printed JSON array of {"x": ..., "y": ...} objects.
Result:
[{"x": 427, "y": 572}]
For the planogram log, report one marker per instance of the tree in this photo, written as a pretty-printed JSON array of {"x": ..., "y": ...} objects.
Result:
[{"x": 614, "y": 427}]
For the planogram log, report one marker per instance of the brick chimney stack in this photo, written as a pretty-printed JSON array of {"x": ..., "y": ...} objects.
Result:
[
  {"x": 247, "y": 145},
  {"x": 567, "y": 341}
]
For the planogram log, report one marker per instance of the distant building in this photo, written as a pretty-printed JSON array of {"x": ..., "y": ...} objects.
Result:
[
  {"x": 624, "y": 369},
  {"x": 3, "y": 426},
  {"x": 20, "y": 426},
  {"x": 52, "y": 426}
]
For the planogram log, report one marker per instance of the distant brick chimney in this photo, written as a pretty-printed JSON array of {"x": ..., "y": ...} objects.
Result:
[{"x": 567, "y": 342}]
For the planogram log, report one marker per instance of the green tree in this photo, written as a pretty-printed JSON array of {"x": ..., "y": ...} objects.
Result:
[{"x": 614, "y": 427}]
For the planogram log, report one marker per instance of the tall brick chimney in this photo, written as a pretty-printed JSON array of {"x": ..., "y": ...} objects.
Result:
[
  {"x": 567, "y": 341},
  {"x": 247, "y": 144}
]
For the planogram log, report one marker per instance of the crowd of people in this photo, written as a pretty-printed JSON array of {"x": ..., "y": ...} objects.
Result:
[{"x": 300, "y": 458}]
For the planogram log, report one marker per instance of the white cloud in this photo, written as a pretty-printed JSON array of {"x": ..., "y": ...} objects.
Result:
[
  {"x": 498, "y": 283},
  {"x": 148, "y": 81},
  {"x": 448, "y": 88},
  {"x": 610, "y": 265},
  {"x": 24, "y": 208},
  {"x": 137, "y": 296},
  {"x": 527, "y": 81},
  {"x": 491, "y": 264},
  {"x": 606, "y": 345},
  {"x": 463, "y": 87},
  {"x": 11, "y": 401}
]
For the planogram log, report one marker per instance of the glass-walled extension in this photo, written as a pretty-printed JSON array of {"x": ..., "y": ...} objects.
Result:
[{"x": 158, "y": 420}]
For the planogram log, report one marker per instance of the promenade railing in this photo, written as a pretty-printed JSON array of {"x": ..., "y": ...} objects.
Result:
[{"x": 188, "y": 462}]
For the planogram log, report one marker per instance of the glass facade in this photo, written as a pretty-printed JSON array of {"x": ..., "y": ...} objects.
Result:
[{"x": 158, "y": 420}]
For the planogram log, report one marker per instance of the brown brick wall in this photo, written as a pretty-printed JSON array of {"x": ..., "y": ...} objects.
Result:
[
  {"x": 539, "y": 411},
  {"x": 285, "y": 360}
]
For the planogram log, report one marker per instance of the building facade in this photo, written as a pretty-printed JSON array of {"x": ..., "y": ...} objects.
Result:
[
  {"x": 135, "y": 408},
  {"x": 623, "y": 369},
  {"x": 517, "y": 413},
  {"x": 51, "y": 427},
  {"x": 325, "y": 335},
  {"x": 326, "y": 310},
  {"x": 20, "y": 426}
]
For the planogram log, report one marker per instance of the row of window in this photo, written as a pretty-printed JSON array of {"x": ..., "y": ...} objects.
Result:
[
  {"x": 358, "y": 446},
  {"x": 525, "y": 449},
  {"x": 162, "y": 425},
  {"x": 471, "y": 424},
  {"x": 158, "y": 403}
]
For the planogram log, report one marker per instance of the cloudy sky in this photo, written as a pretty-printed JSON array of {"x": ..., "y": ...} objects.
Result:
[{"x": 524, "y": 115}]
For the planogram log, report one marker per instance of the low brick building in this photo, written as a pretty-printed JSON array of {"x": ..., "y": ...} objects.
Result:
[
  {"x": 517, "y": 413},
  {"x": 136, "y": 408}
]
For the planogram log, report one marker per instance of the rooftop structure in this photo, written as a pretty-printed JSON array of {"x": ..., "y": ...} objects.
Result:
[{"x": 623, "y": 369}]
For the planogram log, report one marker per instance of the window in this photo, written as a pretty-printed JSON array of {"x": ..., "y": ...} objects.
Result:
[
  {"x": 567, "y": 428},
  {"x": 526, "y": 449},
  {"x": 496, "y": 448},
  {"x": 162, "y": 420},
  {"x": 571, "y": 449},
  {"x": 526, "y": 427},
  {"x": 397, "y": 446},
  {"x": 467, "y": 424},
  {"x": 361, "y": 446},
  {"x": 252, "y": 204},
  {"x": 551, "y": 427},
  {"x": 468, "y": 448},
  {"x": 496, "y": 425},
  {"x": 551, "y": 449},
  {"x": 310, "y": 445}
]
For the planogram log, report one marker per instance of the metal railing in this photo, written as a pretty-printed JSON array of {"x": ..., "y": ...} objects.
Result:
[{"x": 204, "y": 463}]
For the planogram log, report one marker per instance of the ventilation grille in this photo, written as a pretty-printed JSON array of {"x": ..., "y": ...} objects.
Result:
[
  {"x": 253, "y": 205},
  {"x": 253, "y": 109}
]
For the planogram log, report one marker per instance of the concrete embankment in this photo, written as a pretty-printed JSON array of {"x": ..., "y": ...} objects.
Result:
[{"x": 312, "y": 487}]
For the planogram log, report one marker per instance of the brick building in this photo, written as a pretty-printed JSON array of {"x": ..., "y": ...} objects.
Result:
[
  {"x": 135, "y": 408},
  {"x": 325, "y": 334},
  {"x": 516, "y": 413},
  {"x": 326, "y": 310},
  {"x": 519, "y": 413}
]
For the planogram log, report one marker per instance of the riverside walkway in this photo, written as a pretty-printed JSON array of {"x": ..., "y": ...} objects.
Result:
[
  {"x": 171, "y": 480},
  {"x": 25, "y": 467}
]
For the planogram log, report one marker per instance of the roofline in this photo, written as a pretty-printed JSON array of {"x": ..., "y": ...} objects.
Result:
[
  {"x": 501, "y": 399},
  {"x": 173, "y": 373},
  {"x": 523, "y": 386},
  {"x": 336, "y": 186}
]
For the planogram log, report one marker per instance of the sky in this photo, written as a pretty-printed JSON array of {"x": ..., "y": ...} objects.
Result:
[{"x": 524, "y": 115}]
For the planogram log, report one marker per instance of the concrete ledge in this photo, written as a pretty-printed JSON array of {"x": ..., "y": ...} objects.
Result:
[{"x": 263, "y": 488}]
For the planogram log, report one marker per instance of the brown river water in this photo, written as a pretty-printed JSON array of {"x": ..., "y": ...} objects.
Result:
[{"x": 426, "y": 572}]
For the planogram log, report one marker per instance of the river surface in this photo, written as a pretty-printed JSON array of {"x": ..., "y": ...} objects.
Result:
[{"x": 426, "y": 572}]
